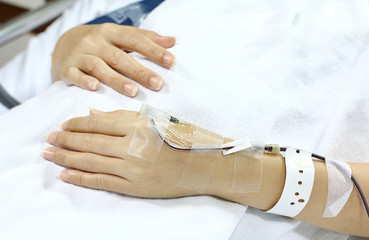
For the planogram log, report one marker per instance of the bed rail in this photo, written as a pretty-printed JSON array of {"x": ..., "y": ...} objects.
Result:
[
  {"x": 32, "y": 19},
  {"x": 24, "y": 24}
]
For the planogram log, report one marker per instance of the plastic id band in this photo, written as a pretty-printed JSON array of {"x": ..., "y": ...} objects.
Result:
[{"x": 298, "y": 184}]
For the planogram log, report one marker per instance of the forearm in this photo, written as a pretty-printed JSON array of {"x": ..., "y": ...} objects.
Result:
[
  {"x": 99, "y": 151},
  {"x": 271, "y": 188},
  {"x": 352, "y": 219}
]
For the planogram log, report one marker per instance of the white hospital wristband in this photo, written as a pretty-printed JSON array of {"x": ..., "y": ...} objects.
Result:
[{"x": 298, "y": 183}]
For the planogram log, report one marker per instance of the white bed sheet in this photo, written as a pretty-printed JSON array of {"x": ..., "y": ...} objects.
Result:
[{"x": 279, "y": 71}]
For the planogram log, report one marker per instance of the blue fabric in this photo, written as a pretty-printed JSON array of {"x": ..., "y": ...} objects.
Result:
[{"x": 132, "y": 14}]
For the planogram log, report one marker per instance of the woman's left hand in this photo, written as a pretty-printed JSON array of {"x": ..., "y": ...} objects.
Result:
[{"x": 88, "y": 54}]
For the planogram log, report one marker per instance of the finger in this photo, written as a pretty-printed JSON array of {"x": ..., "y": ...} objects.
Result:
[
  {"x": 88, "y": 142},
  {"x": 122, "y": 62},
  {"x": 87, "y": 161},
  {"x": 96, "y": 67},
  {"x": 102, "y": 124},
  {"x": 132, "y": 39},
  {"x": 164, "y": 41},
  {"x": 117, "y": 113},
  {"x": 96, "y": 181},
  {"x": 72, "y": 75}
]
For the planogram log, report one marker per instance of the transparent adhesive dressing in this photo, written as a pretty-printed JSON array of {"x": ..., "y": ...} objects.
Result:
[{"x": 157, "y": 131}]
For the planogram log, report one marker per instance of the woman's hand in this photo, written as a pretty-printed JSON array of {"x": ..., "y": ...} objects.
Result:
[
  {"x": 96, "y": 148},
  {"x": 123, "y": 152},
  {"x": 87, "y": 54}
]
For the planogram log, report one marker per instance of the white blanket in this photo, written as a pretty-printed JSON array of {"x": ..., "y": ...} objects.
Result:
[{"x": 277, "y": 71}]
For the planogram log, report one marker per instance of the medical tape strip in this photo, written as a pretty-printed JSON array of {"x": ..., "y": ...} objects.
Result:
[
  {"x": 298, "y": 185},
  {"x": 247, "y": 175},
  {"x": 154, "y": 127},
  {"x": 236, "y": 146},
  {"x": 339, "y": 187},
  {"x": 149, "y": 133},
  {"x": 201, "y": 163},
  {"x": 247, "y": 165}
]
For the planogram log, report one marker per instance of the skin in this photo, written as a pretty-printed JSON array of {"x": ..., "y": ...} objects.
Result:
[
  {"x": 95, "y": 148},
  {"x": 89, "y": 54}
]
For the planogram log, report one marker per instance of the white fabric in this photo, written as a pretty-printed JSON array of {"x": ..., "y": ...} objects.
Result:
[
  {"x": 236, "y": 61},
  {"x": 36, "y": 203}
]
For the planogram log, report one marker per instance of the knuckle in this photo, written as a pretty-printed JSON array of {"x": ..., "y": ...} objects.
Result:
[
  {"x": 130, "y": 28},
  {"x": 93, "y": 65},
  {"x": 87, "y": 162},
  {"x": 88, "y": 143},
  {"x": 122, "y": 169},
  {"x": 67, "y": 74},
  {"x": 117, "y": 57},
  {"x": 116, "y": 82},
  {"x": 80, "y": 180},
  {"x": 100, "y": 182},
  {"x": 133, "y": 42},
  {"x": 61, "y": 138},
  {"x": 106, "y": 28},
  {"x": 138, "y": 172},
  {"x": 123, "y": 149},
  {"x": 86, "y": 42},
  {"x": 157, "y": 53},
  {"x": 93, "y": 123},
  {"x": 60, "y": 158},
  {"x": 75, "y": 52},
  {"x": 139, "y": 73}
]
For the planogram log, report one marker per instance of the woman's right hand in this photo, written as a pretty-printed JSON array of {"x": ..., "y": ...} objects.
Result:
[
  {"x": 97, "y": 148},
  {"x": 88, "y": 54}
]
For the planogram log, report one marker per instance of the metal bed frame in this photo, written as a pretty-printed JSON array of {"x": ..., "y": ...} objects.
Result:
[{"x": 24, "y": 24}]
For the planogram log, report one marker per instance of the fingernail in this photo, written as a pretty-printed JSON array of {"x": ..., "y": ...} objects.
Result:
[
  {"x": 130, "y": 89},
  {"x": 169, "y": 60},
  {"x": 174, "y": 38},
  {"x": 64, "y": 126},
  {"x": 64, "y": 175},
  {"x": 92, "y": 84},
  {"x": 48, "y": 154},
  {"x": 174, "y": 62},
  {"x": 52, "y": 138},
  {"x": 156, "y": 83}
]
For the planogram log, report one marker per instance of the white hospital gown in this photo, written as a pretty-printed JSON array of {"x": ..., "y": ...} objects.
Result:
[{"x": 279, "y": 71}]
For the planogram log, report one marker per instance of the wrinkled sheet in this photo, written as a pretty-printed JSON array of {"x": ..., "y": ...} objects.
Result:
[{"x": 277, "y": 71}]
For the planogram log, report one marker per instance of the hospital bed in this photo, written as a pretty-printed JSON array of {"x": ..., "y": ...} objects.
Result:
[{"x": 308, "y": 127}]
